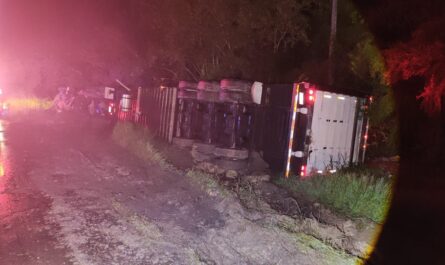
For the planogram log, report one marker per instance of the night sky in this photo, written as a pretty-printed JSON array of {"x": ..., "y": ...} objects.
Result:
[{"x": 65, "y": 41}]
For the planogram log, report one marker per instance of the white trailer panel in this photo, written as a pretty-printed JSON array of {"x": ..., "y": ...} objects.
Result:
[{"x": 333, "y": 123}]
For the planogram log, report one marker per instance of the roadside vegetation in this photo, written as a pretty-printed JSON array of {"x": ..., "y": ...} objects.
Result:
[
  {"x": 25, "y": 105},
  {"x": 138, "y": 141},
  {"x": 361, "y": 193}
]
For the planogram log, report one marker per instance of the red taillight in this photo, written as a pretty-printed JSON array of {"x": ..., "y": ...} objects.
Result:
[
  {"x": 311, "y": 97},
  {"x": 303, "y": 171},
  {"x": 110, "y": 108}
]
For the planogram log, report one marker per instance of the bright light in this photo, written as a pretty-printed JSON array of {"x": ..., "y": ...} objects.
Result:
[
  {"x": 320, "y": 171},
  {"x": 327, "y": 96},
  {"x": 110, "y": 108},
  {"x": 332, "y": 171},
  {"x": 341, "y": 98},
  {"x": 311, "y": 95},
  {"x": 301, "y": 98}
]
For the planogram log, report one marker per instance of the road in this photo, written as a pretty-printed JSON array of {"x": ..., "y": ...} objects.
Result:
[{"x": 69, "y": 195}]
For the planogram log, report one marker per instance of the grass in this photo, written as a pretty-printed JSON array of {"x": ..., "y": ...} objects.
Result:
[
  {"x": 330, "y": 255},
  {"x": 138, "y": 140},
  {"x": 207, "y": 183},
  {"x": 354, "y": 193},
  {"x": 25, "y": 105}
]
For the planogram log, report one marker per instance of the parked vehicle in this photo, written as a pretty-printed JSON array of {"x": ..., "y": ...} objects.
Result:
[
  {"x": 63, "y": 101},
  {"x": 89, "y": 101},
  {"x": 312, "y": 130}
]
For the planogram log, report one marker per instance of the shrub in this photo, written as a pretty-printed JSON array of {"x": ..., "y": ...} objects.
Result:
[{"x": 353, "y": 193}]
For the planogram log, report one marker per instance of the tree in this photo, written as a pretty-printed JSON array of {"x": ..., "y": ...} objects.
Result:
[
  {"x": 422, "y": 56},
  {"x": 210, "y": 40}
]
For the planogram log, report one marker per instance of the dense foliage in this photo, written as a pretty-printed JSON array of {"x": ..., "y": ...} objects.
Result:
[
  {"x": 209, "y": 40},
  {"x": 422, "y": 56},
  {"x": 272, "y": 41}
]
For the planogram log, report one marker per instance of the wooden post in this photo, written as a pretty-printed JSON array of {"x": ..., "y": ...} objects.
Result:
[
  {"x": 138, "y": 105},
  {"x": 172, "y": 116},
  {"x": 332, "y": 42},
  {"x": 163, "y": 112}
]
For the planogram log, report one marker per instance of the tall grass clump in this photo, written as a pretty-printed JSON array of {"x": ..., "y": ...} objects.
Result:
[
  {"x": 138, "y": 140},
  {"x": 355, "y": 194}
]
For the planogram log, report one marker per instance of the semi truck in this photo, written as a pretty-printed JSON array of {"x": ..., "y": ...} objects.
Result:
[{"x": 310, "y": 129}]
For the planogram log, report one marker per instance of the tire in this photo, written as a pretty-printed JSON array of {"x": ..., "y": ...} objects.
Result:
[
  {"x": 236, "y": 85},
  {"x": 208, "y": 86},
  {"x": 187, "y": 85}
]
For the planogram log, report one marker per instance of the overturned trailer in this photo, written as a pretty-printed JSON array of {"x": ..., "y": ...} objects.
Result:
[{"x": 307, "y": 129}]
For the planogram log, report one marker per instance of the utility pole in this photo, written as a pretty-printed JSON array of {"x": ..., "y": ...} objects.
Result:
[{"x": 332, "y": 42}]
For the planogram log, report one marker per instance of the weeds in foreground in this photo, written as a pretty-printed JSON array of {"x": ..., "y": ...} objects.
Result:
[
  {"x": 138, "y": 141},
  {"x": 206, "y": 182},
  {"x": 355, "y": 194}
]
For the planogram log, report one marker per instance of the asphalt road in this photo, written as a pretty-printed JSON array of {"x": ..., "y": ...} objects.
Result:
[{"x": 69, "y": 195}]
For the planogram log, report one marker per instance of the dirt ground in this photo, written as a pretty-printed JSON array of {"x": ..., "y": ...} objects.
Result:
[{"x": 69, "y": 195}]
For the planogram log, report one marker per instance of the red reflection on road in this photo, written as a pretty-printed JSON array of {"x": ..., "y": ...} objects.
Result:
[
  {"x": 3, "y": 150},
  {"x": 4, "y": 196}
]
